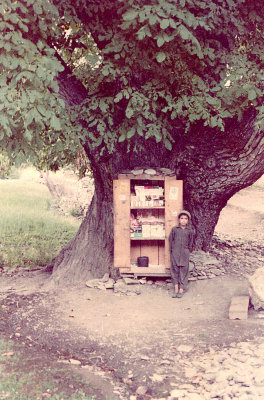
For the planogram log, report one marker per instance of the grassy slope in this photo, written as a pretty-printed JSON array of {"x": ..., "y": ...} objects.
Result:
[{"x": 31, "y": 234}]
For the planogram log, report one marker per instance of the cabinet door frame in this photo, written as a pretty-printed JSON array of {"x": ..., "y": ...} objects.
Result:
[{"x": 121, "y": 196}]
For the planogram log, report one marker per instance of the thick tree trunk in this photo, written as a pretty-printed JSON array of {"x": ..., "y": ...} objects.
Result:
[{"x": 211, "y": 174}]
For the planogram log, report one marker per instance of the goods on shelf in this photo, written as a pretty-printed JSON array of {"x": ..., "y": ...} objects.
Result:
[
  {"x": 147, "y": 196},
  {"x": 143, "y": 224}
]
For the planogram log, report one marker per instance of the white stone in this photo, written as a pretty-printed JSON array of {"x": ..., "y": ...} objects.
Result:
[
  {"x": 92, "y": 283},
  {"x": 177, "y": 393},
  {"x": 130, "y": 281},
  {"x": 165, "y": 362},
  {"x": 256, "y": 288},
  {"x": 141, "y": 390},
  {"x": 184, "y": 348},
  {"x": 110, "y": 284},
  {"x": 150, "y": 171},
  {"x": 137, "y": 171},
  {"x": 190, "y": 372},
  {"x": 75, "y": 362},
  {"x": 146, "y": 358},
  {"x": 157, "y": 378},
  {"x": 194, "y": 396},
  {"x": 259, "y": 375},
  {"x": 105, "y": 277}
]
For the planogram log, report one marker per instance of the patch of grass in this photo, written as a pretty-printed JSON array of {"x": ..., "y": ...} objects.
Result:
[
  {"x": 31, "y": 234},
  {"x": 203, "y": 336},
  {"x": 76, "y": 212},
  {"x": 22, "y": 379}
]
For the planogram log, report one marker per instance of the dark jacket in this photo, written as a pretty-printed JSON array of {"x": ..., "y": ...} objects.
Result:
[{"x": 181, "y": 243}]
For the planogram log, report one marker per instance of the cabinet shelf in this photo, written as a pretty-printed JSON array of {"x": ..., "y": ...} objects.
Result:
[
  {"x": 148, "y": 208},
  {"x": 147, "y": 238}
]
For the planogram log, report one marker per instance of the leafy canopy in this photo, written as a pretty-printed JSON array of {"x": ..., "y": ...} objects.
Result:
[{"x": 146, "y": 65}]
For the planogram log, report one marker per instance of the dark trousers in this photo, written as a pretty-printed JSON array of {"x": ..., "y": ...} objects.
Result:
[{"x": 179, "y": 276}]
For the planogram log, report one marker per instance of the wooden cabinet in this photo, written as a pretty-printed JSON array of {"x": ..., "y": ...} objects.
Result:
[{"x": 145, "y": 209}]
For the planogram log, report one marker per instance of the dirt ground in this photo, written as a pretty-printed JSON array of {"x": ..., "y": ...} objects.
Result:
[{"x": 123, "y": 342}]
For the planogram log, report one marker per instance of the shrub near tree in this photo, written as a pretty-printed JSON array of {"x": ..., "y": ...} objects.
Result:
[{"x": 157, "y": 83}]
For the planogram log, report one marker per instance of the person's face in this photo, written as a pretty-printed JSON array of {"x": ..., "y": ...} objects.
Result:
[{"x": 183, "y": 220}]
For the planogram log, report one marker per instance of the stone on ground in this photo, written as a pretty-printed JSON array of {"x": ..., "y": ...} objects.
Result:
[
  {"x": 256, "y": 289},
  {"x": 239, "y": 307}
]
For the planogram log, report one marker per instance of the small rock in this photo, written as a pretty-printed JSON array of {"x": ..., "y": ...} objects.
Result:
[
  {"x": 165, "y": 362},
  {"x": 74, "y": 362},
  {"x": 130, "y": 281},
  {"x": 105, "y": 278},
  {"x": 101, "y": 286},
  {"x": 256, "y": 289},
  {"x": 137, "y": 171},
  {"x": 190, "y": 372},
  {"x": 194, "y": 396},
  {"x": 110, "y": 284},
  {"x": 176, "y": 394},
  {"x": 157, "y": 378},
  {"x": 150, "y": 171},
  {"x": 145, "y": 358},
  {"x": 8, "y": 354},
  {"x": 184, "y": 348},
  {"x": 120, "y": 287},
  {"x": 92, "y": 283},
  {"x": 141, "y": 390}
]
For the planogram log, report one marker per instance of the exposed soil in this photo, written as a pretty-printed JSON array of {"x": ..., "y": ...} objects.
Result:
[{"x": 122, "y": 341}]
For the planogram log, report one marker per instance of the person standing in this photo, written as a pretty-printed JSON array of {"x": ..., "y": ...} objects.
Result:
[{"x": 181, "y": 243}]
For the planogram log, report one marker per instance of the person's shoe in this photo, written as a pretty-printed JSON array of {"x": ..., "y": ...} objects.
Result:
[
  {"x": 174, "y": 295},
  {"x": 179, "y": 295}
]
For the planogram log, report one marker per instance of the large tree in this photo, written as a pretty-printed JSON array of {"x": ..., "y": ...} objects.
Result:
[{"x": 156, "y": 83}]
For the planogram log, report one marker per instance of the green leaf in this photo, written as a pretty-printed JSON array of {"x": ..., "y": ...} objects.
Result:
[
  {"x": 130, "y": 15},
  {"x": 211, "y": 100},
  {"x": 37, "y": 8},
  {"x": 160, "y": 56},
  {"x": 28, "y": 135},
  {"x": 118, "y": 97},
  {"x": 122, "y": 138},
  {"x": 131, "y": 133},
  {"x": 252, "y": 94},
  {"x": 214, "y": 122},
  {"x": 167, "y": 144},
  {"x": 152, "y": 19},
  {"x": 129, "y": 112},
  {"x": 141, "y": 33},
  {"x": 55, "y": 123},
  {"x": 184, "y": 33},
  {"x": 160, "y": 41},
  {"x": 164, "y": 23},
  {"x": 103, "y": 106},
  {"x": 158, "y": 136}
]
